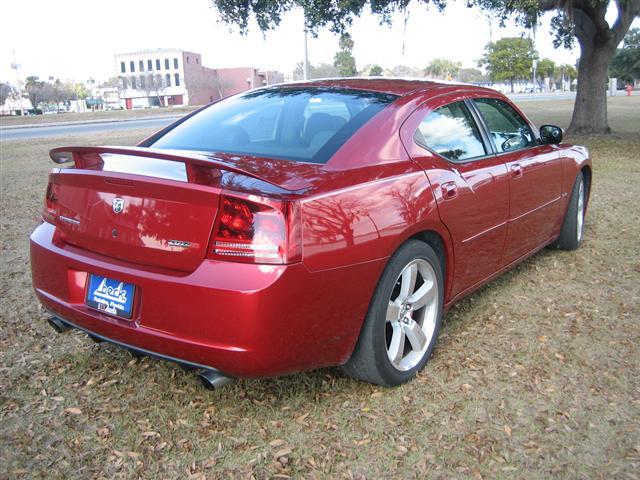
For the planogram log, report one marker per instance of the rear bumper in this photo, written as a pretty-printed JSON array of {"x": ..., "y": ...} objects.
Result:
[{"x": 244, "y": 320}]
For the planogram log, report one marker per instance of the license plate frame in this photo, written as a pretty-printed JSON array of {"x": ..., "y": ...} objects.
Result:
[{"x": 110, "y": 296}]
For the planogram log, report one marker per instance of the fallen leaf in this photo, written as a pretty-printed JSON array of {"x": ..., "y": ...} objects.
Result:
[
  {"x": 507, "y": 430},
  {"x": 73, "y": 411}
]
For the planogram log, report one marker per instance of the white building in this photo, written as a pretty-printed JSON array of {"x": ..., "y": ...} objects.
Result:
[{"x": 164, "y": 77}]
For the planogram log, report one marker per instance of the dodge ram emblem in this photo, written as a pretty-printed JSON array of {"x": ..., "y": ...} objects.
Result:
[{"x": 118, "y": 205}]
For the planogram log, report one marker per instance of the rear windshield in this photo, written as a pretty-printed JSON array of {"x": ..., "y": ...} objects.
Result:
[{"x": 304, "y": 124}]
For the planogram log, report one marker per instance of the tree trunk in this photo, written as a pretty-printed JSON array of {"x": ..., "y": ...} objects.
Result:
[{"x": 590, "y": 109}]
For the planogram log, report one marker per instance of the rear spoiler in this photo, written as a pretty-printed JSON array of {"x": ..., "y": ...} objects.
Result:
[{"x": 87, "y": 157}]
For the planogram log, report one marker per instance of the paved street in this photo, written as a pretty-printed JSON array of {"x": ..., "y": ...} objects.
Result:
[{"x": 28, "y": 132}]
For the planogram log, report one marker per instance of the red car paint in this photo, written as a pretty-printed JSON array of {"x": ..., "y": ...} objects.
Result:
[{"x": 343, "y": 220}]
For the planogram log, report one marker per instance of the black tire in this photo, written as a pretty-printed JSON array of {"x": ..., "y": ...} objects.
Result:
[
  {"x": 570, "y": 236},
  {"x": 369, "y": 360}
]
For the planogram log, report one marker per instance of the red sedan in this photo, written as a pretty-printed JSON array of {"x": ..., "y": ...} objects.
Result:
[{"x": 304, "y": 225}]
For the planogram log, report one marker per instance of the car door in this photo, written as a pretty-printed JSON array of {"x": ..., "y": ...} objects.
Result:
[
  {"x": 535, "y": 177},
  {"x": 470, "y": 183}
]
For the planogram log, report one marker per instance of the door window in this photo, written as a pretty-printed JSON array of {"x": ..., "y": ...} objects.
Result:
[
  {"x": 450, "y": 131},
  {"x": 507, "y": 128}
]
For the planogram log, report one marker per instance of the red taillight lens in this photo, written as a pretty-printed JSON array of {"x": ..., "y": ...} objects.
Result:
[
  {"x": 254, "y": 232},
  {"x": 51, "y": 203}
]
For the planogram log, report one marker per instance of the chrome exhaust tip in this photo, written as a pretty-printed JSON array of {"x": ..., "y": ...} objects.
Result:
[
  {"x": 213, "y": 380},
  {"x": 58, "y": 325}
]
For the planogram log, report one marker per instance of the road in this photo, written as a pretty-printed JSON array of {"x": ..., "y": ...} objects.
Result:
[{"x": 26, "y": 133}]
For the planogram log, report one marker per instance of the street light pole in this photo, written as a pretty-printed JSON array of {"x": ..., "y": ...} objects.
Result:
[
  {"x": 305, "y": 66},
  {"x": 16, "y": 66}
]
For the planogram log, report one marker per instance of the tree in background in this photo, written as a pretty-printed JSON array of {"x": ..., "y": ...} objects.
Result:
[
  {"x": 6, "y": 90},
  {"x": 324, "y": 70},
  {"x": 509, "y": 59},
  {"x": 443, "y": 68},
  {"x": 405, "y": 71},
  {"x": 36, "y": 91},
  {"x": 583, "y": 20},
  {"x": 371, "y": 70},
  {"x": 546, "y": 68},
  {"x": 626, "y": 62},
  {"x": 471, "y": 75},
  {"x": 344, "y": 60}
]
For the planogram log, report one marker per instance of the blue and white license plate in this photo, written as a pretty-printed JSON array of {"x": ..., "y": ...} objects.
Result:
[{"x": 110, "y": 296}]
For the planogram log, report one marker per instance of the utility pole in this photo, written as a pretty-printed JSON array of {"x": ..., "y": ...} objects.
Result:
[
  {"x": 533, "y": 69},
  {"x": 305, "y": 64},
  {"x": 16, "y": 66}
]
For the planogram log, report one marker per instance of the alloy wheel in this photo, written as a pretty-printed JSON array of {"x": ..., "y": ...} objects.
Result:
[{"x": 411, "y": 315}]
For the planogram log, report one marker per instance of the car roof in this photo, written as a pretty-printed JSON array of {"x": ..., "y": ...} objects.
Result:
[{"x": 396, "y": 86}]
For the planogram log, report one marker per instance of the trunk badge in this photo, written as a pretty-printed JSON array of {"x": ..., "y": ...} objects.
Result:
[
  {"x": 118, "y": 205},
  {"x": 179, "y": 243}
]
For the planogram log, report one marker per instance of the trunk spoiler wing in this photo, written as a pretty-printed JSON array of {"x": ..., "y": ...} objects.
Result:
[{"x": 88, "y": 157}]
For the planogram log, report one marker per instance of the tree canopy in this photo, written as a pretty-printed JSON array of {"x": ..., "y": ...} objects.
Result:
[
  {"x": 626, "y": 62},
  {"x": 581, "y": 20},
  {"x": 344, "y": 60},
  {"x": 509, "y": 59}
]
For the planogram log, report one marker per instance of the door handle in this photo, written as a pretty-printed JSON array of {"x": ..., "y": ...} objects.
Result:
[
  {"x": 516, "y": 170},
  {"x": 449, "y": 190}
]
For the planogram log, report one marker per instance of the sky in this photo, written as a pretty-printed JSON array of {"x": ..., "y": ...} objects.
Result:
[{"x": 72, "y": 39}]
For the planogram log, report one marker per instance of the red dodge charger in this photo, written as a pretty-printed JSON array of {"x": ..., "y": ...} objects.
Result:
[{"x": 304, "y": 225}]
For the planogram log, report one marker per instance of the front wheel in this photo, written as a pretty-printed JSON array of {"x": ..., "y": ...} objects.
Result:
[
  {"x": 573, "y": 224},
  {"x": 403, "y": 321}
]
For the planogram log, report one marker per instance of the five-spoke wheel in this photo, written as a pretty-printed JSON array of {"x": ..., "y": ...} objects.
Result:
[{"x": 404, "y": 318}]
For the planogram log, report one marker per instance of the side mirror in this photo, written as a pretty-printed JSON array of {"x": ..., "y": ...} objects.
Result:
[{"x": 550, "y": 134}]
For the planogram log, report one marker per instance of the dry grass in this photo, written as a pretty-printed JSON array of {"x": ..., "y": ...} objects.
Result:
[{"x": 535, "y": 376}]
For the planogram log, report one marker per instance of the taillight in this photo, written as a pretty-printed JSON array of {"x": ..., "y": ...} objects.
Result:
[
  {"x": 50, "y": 211},
  {"x": 248, "y": 231}
]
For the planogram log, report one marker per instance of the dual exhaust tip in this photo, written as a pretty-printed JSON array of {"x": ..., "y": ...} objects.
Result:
[{"x": 210, "y": 379}]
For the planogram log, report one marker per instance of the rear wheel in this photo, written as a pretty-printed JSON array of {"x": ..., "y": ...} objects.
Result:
[
  {"x": 400, "y": 330},
  {"x": 573, "y": 225}
]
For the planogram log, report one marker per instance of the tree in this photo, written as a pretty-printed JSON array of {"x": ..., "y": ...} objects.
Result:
[
  {"x": 509, "y": 59},
  {"x": 583, "y": 20},
  {"x": 324, "y": 70},
  {"x": 405, "y": 71},
  {"x": 6, "y": 90},
  {"x": 443, "y": 68},
  {"x": 344, "y": 60},
  {"x": 471, "y": 75},
  {"x": 626, "y": 62},
  {"x": 36, "y": 90},
  {"x": 375, "y": 71},
  {"x": 546, "y": 68}
]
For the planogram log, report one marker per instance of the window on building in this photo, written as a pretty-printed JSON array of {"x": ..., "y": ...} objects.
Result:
[
  {"x": 175, "y": 63},
  {"x": 177, "y": 79},
  {"x": 123, "y": 68},
  {"x": 197, "y": 60},
  {"x": 149, "y": 65},
  {"x": 187, "y": 59},
  {"x": 133, "y": 83},
  {"x": 142, "y": 82},
  {"x": 141, "y": 65},
  {"x": 167, "y": 78},
  {"x": 124, "y": 82},
  {"x": 157, "y": 64},
  {"x": 132, "y": 65},
  {"x": 166, "y": 64}
]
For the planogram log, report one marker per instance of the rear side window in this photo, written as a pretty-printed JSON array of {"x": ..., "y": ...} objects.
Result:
[
  {"x": 507, "y": 128},
  {"x": 450, "y": 131},
  {"x": 307, "y": 124}
]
